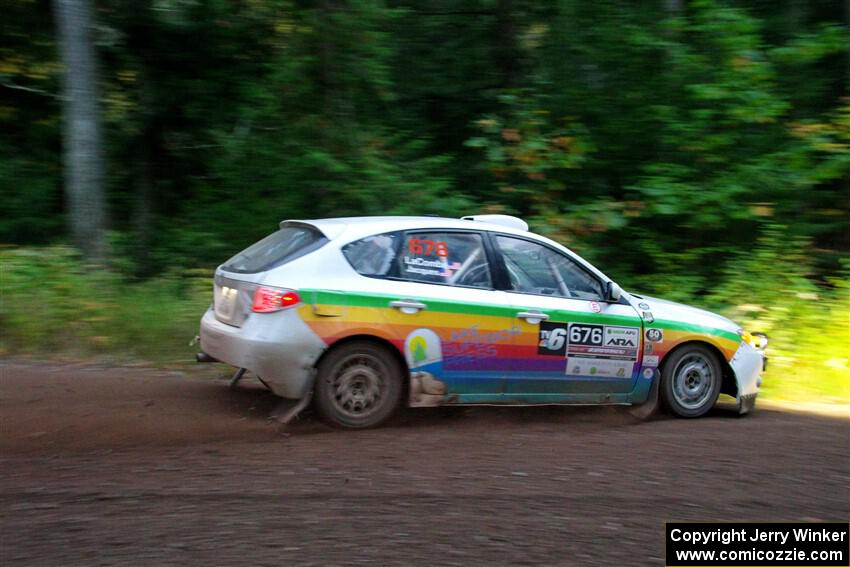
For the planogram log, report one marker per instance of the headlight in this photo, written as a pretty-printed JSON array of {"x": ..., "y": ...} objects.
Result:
[
  {"x": 755, "y": 340},
  {"x": 760, "y": 340}
]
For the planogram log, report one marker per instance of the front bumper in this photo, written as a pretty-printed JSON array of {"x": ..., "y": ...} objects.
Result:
[
  {"x": 748, "y": 364},
  {"x": 278, "y": 347}
]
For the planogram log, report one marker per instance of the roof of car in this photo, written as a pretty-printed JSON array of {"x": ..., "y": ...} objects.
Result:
[{"x": 357, "y": 227}]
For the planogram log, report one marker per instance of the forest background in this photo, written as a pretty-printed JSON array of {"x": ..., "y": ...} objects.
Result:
[{"x": 696, "y": 150}]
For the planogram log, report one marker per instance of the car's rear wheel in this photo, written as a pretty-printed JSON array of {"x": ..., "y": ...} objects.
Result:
[
  {"x": 358, "y": 385},
  {"x": 690, "y": 381}
]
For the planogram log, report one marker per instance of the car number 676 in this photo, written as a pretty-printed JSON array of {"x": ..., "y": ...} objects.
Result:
[{"x": 585, "y": 335}]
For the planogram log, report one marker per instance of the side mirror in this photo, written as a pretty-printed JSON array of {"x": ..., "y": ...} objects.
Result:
[{"x": 614, "y": 292}]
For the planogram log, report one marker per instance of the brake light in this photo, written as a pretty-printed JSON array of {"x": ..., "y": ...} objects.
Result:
[{"x": 270, "y": 299}]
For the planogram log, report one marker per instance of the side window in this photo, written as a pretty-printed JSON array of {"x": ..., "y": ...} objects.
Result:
[
  {"x": 444, "y": 258},
  {"x": 534, "y": 268},
  {"x": 373, "y": 255}
]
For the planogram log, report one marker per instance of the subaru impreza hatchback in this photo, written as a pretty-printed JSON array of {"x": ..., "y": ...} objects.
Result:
[{"x": 367, "y": 314}]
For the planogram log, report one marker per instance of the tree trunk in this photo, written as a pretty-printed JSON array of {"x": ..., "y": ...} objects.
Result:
[
  {"x": 674, "y": 8},
  {"x": 847, "y": 53},
  {"x": 82, "y": 147},
  {"x": 143, "y": 210},
  {"x": 506, "y": 46}
]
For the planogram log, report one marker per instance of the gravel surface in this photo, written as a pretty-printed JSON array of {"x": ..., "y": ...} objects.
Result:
[{"x": 135, "y": 466}]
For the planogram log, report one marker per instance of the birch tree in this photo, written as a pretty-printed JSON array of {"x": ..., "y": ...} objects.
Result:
[{"x": 82, "y": 144}]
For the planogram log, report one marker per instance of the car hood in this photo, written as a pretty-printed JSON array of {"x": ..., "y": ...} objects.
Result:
[{"x": 663, "y": 310}]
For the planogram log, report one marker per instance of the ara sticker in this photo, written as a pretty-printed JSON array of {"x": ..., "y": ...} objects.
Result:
[
  {"x": 594, "y": 306},
  {"x": 650, "y": 360},
  {"x": 654, "y": 335},
  {"x": 648, "y": 373},
  {"x": 644, "y": 305}
]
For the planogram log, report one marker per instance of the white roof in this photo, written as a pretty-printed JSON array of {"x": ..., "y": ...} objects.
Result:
[{"x": 358, "y": 227}]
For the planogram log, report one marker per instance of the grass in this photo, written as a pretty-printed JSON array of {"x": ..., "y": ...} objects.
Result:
[{"x": 52, "y": 305}]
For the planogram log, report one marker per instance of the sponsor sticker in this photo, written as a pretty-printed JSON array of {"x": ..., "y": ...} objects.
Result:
[
  {"x": 594, "y": 306},
  {"x": 622, "y": 336},
  {"x": 644, "y": 305},
  {"x": 552, "y": 339},
  {"x": 591, "y": 350},
  {"x": 602, "y": 341},
  {"x": 650, "y": 360},
  {"x": 648, "y": 373},
  {"x": 601, "y": 350},
  {"x": 654, "y": 335},
  {"x": 602, "y": 368}
]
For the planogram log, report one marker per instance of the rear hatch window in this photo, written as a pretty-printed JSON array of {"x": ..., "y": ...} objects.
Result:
[
  {"x": 232, "y": 296},
  {"x": 278, "y": 248}
]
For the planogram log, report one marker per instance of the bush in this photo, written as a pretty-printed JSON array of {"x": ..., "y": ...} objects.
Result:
[
  {"x": 770, "y": 290},
  {"x": 52, "y": 303}
]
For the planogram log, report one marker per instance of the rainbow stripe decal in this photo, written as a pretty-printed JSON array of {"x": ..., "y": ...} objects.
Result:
[{"x": 468, "y": 352}]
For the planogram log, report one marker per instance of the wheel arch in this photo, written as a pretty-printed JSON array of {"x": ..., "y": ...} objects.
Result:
[
  {"x": 386, "y": 344},
  {"x": 728, "y": 384}
]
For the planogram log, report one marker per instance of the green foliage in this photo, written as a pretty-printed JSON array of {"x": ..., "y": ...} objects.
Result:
[
  {"x": 664, "y": 145},
  {"x": 698, "y": 144},
  {"x": 53, "y": 304},
  {"x": 770, "y": 290},
  {"x": 530, "y": 153}
]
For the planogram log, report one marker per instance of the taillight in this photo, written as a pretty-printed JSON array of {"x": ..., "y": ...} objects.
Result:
[{"x": 270, "y": 299}]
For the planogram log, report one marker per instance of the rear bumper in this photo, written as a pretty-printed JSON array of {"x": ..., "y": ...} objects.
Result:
[
  {"x": 748, "y": 365},
  {"x": 278, "y": 347}
]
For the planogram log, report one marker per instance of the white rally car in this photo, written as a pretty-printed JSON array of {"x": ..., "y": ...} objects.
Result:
[{"x": 366, "y": 314}]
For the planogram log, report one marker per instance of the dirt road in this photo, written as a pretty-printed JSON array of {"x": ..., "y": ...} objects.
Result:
[{"x": 145, "y": 467}]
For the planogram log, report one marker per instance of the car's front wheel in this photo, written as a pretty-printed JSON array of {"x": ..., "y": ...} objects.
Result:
[
  {"x": 358, "y": 385},
  {"x": 690, "y": 381}
]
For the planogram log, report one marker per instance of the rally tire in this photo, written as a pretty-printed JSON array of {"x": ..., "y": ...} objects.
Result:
[
  {"x": 358, "y": 385},
  {"x": 691, "y": 380}
]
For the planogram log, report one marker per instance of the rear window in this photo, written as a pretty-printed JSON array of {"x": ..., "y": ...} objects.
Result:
[
  {"x": 374, "y": 255},
  {"x": 276, "y": 249}
]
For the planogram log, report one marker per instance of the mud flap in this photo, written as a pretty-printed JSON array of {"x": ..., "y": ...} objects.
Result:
[
  {"x": 236, "y": 378},
  {"x": 649, "y": 407},
  {"x": 746, "y": 404},
  {"x": 425, "y": 390},
  {"x": 283, "y": 413}
]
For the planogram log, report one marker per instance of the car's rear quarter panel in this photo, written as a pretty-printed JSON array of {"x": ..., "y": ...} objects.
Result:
[{"x": 467, "y": 363}]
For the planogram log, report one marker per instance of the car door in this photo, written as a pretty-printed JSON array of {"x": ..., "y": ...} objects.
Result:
[
  {"x": 455, "y": 329},
  {"x": 572, "y": 345}
]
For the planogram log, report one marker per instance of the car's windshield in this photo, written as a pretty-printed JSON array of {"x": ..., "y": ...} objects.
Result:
[{"x": 276, "y": 249}]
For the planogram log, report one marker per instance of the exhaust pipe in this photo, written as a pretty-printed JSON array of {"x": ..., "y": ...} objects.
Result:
[{"x": 204, "y": 357}]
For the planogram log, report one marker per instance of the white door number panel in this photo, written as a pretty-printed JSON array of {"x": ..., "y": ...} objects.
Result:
[{"x": 601, "y": 350}]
